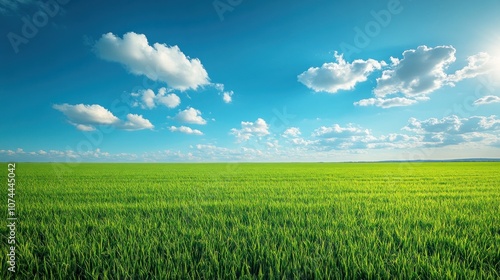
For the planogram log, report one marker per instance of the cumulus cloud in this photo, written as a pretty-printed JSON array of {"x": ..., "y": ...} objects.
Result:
[
  {"x": 158, "y": 62},
  {"x": 487, "y": 100},
  {"x": 292, "y": 132},
  {"x": 86, "y": 117},
  {"x": 147, "y": 99},
  {"x": 186, "y": 130},
  {"x": 190, "y": 115},
  {"x": 135, "y": 122},
  {"x": 227, "y": 96},
  {"x": 478, "y": 64},
  {"x": 341, "y": 75},
  {"x": 86, "y": 114},
  {"x": 248, "y": 130},
  {"x": 420, "y": 72}
]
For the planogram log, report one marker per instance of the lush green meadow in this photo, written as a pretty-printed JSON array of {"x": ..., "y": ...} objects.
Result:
[{"x": 256, "y": 221}]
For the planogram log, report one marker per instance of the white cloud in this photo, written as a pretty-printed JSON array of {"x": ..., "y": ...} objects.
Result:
[
  {"x": 343, "y": 138},
  {"x": 487, "y": 100},
  {"x": 303, "y": 142},
  {"x": 158, "y": 62},
  {"x": 420, "y": 72},
  {"x": 170, "y": 100},
  {"x": 84, "y": 127},
  {"x": 430, "y": 133},
  {"x": 86, "y": 117},
  {"x": 190, "y": 115},
  {"x": 186, "y": 130},
  {"x": 248, "y": 130},
  {"x": 332, "y": 77},
  {"x": 337, "y": 131},
  {"x": 59, "y": 156},
  {"x": 273, "y": 144},
  {"x": 136, "y": 122},
  {"x": 148, "y": 99},
  {"x": 478, "y": 64},
  {"x": 452, "y": 130},
  {"x": 218, "y": 86},
  {"x": 454, "y": 125},
  {"x": 227, "y": 96},
  {"x": 386, "y": 102},
  {"x": 87, "y": 114},
  {"x": 292, "y": 132}
]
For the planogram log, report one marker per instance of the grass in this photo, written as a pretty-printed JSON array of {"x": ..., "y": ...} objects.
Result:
[{"x": 256, "y": 221}]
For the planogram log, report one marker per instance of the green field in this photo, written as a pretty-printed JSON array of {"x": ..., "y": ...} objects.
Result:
[{"x": 256, "y": 221}]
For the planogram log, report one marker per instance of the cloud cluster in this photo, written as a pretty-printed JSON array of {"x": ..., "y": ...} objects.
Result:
[
  {"x": 334, "y": 76},
  {"x": 227, "y": 95},
  {"x": 454, "y": 125},
  {"x": 67, "y": 155},
  {"x": 158, "y": 62},
  {"x": 86, "y": 117},
  {"x": 453, "y": 130},
  {"x": 248, "y": 130},
  {"x": 335, "y": 142},
  {"x": 147, "y": 99},
  {"x": 420, "y": 72},
  {"x": 341, "y": 137},
  {"x": 405, "y": 81},
  {"x": 428, "y": 133}
]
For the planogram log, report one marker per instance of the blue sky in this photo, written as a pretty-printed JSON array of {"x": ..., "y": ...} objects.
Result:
[{"x": 240, "y": 80}]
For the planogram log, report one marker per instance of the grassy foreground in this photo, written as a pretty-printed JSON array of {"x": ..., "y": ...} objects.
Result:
[{"x": 256, "y": 221}]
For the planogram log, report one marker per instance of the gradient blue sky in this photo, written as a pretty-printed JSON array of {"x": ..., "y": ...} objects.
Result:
[{"x": 249, "y": 80}]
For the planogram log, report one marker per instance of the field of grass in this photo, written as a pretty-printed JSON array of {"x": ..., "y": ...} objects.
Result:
[{"x": 256, "y": 221}]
